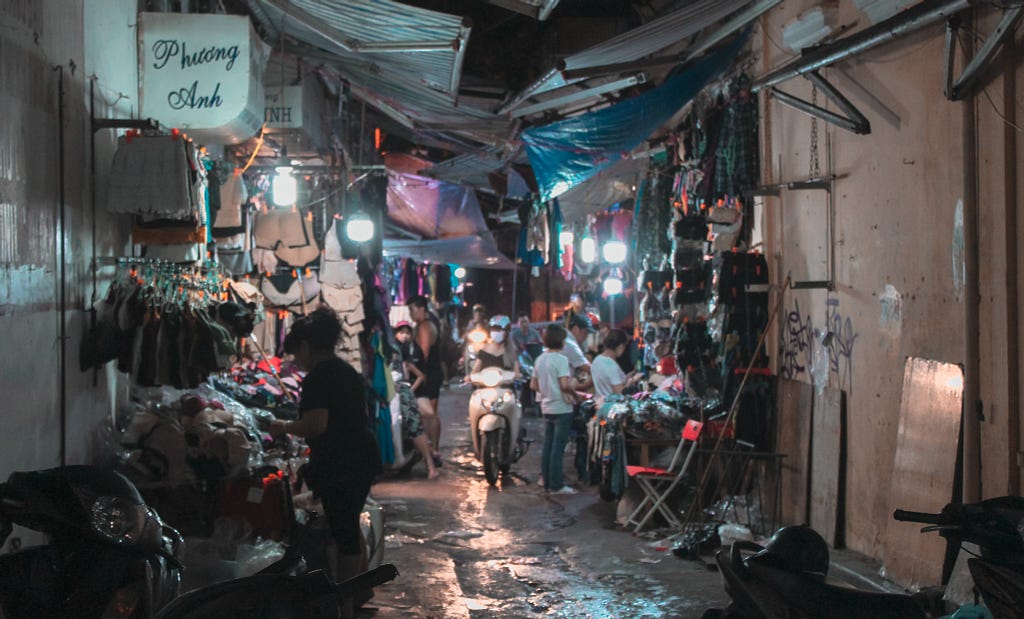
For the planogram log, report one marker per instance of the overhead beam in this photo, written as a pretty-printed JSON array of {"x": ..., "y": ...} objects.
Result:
[
  {"x": 716, "y": 36},
  {"x": 852, "y": 121},
  {"x": 582, "y": 95},
  {"x": 351, "y": 44},
  {"x": 904, "y": 22},
  {"x": 981, "y": 61}
]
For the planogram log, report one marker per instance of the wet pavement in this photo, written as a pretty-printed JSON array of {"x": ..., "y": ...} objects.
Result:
[{"x": 467, "y": 550}]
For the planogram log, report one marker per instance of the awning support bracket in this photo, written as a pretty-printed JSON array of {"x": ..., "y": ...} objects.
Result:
[
  {"x": 983, "y": 60},
  {"x": 851, "y": 118}
]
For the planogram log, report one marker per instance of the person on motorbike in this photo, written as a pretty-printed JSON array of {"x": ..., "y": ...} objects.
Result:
[
  {"x": 523, "y": 335},
  {"x": 479, "y": 319},
  {"x": 497, "y": 352},
  {"x": 343, "y": 453},
  {"x": 407, "y": 357}
]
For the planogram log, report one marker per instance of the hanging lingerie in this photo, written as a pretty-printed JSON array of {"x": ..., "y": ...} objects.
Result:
[{"x": 290, "y": 291}]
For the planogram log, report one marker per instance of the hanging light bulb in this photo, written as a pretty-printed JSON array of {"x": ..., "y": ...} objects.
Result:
[
  {"x": 612, "y": 286},
  {"x": 566, "y": 238},
  {"x": 588, "y": 250},
  {"x": 284, "y": 187},
  {"x": 614, "y": 252},
  {"x": 359, "y": 228},
  {"x": 460, "y": 272}
]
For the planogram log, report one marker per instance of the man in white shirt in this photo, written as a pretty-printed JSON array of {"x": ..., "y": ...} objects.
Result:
[{"x": 579, "y": 328}]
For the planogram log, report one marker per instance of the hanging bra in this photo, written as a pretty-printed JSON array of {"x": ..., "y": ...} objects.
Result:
[
  {"x": 283, "y": 290},
  {"x": 289, "y": 234}
]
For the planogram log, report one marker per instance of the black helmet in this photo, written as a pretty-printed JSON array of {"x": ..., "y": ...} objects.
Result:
[{"x": 797, "y": 549}]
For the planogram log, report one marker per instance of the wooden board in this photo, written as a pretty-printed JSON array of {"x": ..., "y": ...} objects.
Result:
[
  {"x": 796, "y": 400},
  {"x": 923, "y": 468},
  {"x": 827, "y": 453}
]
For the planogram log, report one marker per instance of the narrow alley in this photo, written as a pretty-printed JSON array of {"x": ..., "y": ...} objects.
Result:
[{"x": 467, "y": 550}]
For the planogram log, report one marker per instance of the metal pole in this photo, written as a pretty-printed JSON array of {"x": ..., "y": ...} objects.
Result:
[
  {"x": 905, "y": 22},
  {"x": 61, "y": 233},
  {"x": 972, "y": 491}
]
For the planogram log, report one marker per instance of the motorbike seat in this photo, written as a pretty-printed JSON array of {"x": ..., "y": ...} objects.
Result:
[{"x": 817, "y": 598}]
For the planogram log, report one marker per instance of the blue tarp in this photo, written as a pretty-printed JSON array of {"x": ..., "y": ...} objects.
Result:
[{"x": 568, "y": 152}]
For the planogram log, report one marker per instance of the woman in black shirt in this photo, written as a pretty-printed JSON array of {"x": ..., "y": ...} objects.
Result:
[{"x": 333, "y": 418}]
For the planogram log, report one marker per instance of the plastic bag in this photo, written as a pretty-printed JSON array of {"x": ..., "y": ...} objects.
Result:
[
  {"x": 819, "y": 360},
  {"x": 251, "y": 558},
  {"x": 731, "y": 532}
]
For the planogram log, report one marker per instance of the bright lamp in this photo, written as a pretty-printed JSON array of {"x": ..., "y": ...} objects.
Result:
[
  {"x": 612, "y": 286},
  {"x": 460, "y": 272},
  {"x": 359, "y": 228},
  {"x": 285, "y": 187},
  {"x": 588, "y": 250},
  {"x": 614, "y": 252}
]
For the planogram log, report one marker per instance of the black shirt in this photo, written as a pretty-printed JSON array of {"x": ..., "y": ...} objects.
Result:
[{"x": 348, "y": 448}]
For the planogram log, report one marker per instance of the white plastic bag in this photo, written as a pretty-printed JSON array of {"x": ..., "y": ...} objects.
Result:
[{"x": 819, "y": 360}]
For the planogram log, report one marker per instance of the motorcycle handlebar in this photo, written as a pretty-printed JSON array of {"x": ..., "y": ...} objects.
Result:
[{"x": 922, "y": 517}]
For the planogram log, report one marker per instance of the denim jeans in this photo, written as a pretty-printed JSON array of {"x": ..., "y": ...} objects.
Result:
[{"x": 556, "y": 436}]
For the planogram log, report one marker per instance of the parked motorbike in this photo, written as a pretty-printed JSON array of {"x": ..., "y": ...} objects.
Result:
[
  {"x": 109, "y": 554},
  {"x": 786, "y": 577},
  {"x": 275, "y": 593},
  {"x": 494, "y": 421}
]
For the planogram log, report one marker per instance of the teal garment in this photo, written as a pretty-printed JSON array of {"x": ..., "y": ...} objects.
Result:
[{"x": 381, "y": 374}]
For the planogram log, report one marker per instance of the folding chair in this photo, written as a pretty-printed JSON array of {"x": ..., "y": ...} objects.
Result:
[{"x": 658, "y": 483}]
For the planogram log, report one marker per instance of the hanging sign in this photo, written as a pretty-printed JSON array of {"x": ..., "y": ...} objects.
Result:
[
  {"x": 284, "y": 107},
  {"x": 202, "y": 74}
]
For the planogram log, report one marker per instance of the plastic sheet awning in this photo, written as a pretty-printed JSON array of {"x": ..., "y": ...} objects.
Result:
[
  {"x": 445, "y": 218},
  {"x": 478, "y": 252},
  {"x": 610, "y": 186},
  {"x": 568, "y": 152},
  {"x": 427, "y": 207}
]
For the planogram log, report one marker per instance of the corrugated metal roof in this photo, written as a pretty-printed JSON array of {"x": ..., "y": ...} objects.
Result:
[
  {"x": 426, "y": 47},
  {"x": 639, "y": 42}
]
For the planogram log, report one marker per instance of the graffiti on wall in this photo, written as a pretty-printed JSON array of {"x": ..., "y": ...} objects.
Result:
[
  {"x": 796, "y": 343},
  {"x": 798, "y": 338}
]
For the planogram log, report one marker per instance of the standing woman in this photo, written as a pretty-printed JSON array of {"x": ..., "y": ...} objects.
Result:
[
  {"x": 551, "y": 379},
  {"x": 427, "y": 336},
  {"x": 343, "y": 452}
]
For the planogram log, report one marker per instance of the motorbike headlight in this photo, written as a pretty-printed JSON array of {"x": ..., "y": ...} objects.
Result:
[
  {"x": 118, "y": 520},
  {"x": 490, "y": 377}
]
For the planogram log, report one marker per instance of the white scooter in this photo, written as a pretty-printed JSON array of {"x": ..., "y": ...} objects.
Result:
[{"x": 494, "y": 421}]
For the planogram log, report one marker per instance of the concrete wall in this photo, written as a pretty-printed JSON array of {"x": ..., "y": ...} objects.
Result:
[
  {"x": 36, "y": 36},
  {"x": 896, "y": 246}
]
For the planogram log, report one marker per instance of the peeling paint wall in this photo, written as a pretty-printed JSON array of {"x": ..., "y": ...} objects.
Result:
[
  {"x": 892, "y": 230},
  {"x": 35, "y": 36},
  {"x": 899, "y": 248}
]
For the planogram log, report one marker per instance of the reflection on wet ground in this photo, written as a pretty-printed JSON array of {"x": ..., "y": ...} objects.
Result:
[{"x": 465, "y": 549}]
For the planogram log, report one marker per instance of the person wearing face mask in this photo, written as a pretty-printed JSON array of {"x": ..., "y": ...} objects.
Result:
[{"x": 497, "y": 352}]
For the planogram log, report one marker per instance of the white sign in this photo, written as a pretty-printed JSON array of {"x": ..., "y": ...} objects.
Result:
[
  {"x": 202, "y": 74},
  {"x": 284, "y": 107}
]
